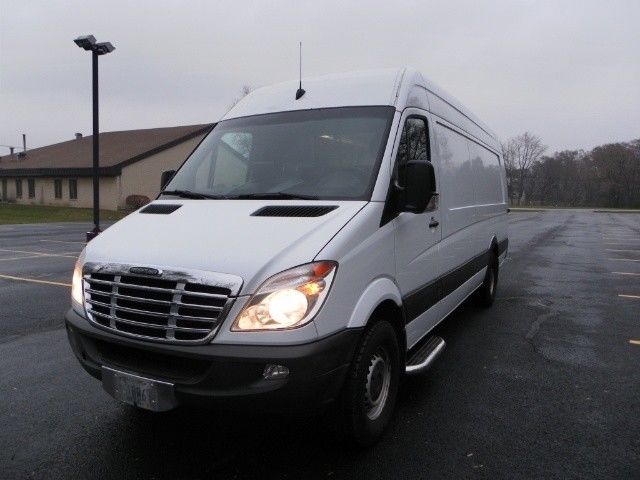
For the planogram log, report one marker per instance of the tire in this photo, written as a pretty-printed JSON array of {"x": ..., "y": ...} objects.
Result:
[
  {"x": 486, "y": 294},
  {"x": 368, "y": 398}
]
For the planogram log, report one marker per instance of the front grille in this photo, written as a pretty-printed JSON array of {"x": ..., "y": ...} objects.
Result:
[{"x": 169, "y": 310}]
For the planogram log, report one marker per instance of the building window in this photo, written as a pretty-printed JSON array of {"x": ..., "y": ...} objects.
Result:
[
  {"x": 31, "y": 185},
  {"x": 73, "y": 189},
  {"x": 57, "y": 188},
  {"x": 18, "y": 188}
]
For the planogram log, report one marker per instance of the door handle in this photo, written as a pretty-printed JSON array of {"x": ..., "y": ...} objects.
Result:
[{"x": 433, "y": 223}]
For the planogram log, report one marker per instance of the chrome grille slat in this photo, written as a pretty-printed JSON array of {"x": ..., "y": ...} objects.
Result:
[
  {"x": 151, "y": 325},
  {"x": 154, "y": 301},
  {"x": 127, "y": 297},
  {"x": 146, "y": 312},
  {"x": 157, "y": 289},
  {"x": 141, "y": 306}
]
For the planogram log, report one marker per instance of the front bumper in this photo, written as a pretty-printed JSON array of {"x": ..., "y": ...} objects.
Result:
[{"x": 222, "y": 375}]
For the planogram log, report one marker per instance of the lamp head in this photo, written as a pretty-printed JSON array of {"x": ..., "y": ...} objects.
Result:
[
  {"x": 103, "y": 48},
  {"x": 86, "y": 41}
]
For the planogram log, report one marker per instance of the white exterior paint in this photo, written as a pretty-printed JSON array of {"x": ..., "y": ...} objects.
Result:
[
  {"x": 376, "y": 87},
  {"x": 376, "y": 263}
]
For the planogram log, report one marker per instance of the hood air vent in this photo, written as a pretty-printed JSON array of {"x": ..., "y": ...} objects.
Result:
[
  {"x": 160, "y": 208},
  {"x": 294, "y": 211}
]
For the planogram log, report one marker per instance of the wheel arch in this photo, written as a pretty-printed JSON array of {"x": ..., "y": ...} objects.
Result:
[{"x": 381, "y": 299}]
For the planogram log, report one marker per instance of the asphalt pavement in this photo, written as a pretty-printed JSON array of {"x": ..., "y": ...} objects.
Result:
[{"x": 546, "y": 384}]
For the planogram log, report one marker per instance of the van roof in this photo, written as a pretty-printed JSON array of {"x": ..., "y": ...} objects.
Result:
[{"x": 394, "y": 87}]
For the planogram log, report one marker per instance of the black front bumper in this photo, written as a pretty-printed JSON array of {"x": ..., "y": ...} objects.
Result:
[{"x": 224, "y": 376}]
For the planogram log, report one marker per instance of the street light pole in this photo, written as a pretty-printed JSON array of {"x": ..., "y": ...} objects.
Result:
[
  {"x": 88, "y": 42},
  {"x": 96, "y": 151}
]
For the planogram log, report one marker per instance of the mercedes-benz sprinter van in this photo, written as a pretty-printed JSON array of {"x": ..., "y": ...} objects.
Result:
[{"x": 301, "y": 256}]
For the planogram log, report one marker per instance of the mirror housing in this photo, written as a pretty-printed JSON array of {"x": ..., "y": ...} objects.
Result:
[
  {"x": 420, "y": 186},
  {"x": 166, "y": 178}
]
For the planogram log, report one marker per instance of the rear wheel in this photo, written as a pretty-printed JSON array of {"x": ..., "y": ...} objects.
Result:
[
  {"x": 486, "y": 294},
  {"x": 369, "y": 394}
]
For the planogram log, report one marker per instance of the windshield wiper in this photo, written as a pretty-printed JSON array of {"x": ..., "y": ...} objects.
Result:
[
  {"x": 190, "y": 194},
  {"x": 275, "y": 196}
]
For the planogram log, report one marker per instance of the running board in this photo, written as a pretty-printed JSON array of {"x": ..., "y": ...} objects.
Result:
[{"x": 422, "y": 358}]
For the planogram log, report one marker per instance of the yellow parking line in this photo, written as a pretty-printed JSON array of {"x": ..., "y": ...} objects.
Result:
[
  {"x": 634, "y": 342},
  {"x": 40, "y": 254},
  {"x": 633, "y": 274},
  {"x": 629, "y": 296},
  {"x": 33, "y": 280}
]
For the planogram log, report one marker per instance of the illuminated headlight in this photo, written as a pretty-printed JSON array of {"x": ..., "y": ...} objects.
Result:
[
  {"x": 289, "y": 299},
  {"x": 76, "y": 287}
]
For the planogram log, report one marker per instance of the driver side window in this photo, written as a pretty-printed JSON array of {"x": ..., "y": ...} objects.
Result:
[{"x": 414, "y": 145}]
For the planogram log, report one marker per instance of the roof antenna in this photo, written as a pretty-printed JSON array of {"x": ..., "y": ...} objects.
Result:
[{"x": 300, "y": 91}]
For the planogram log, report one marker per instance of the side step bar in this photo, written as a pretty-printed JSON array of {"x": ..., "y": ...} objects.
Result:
[{"x": 424, "y": 356}]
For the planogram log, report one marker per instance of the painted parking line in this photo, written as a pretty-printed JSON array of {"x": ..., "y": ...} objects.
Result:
[
  {"x": 634, "y": 342},
  {"x": 34, "y": 280},
  {"x": 626, "y": 259},
  {"x": 63, "y": 241},
  {"x": 42, "y": 254},
  {"x": 633, "y": 274},
  {"x": 624, "y": 295},
  {"x": 621, "y": 250},
  {"x": 24, "y": 257}
]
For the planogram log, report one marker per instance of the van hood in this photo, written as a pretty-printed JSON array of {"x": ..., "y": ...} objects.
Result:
[{"x": 221, "y": 236}]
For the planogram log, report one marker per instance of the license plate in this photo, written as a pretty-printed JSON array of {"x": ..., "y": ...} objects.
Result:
[{"x": 139, "y": 391}]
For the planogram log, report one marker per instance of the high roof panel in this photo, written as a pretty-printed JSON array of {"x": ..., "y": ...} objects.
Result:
[{"x": 373, "y": 87}]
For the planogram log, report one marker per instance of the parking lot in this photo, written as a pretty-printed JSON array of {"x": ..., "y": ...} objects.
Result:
[{"x": 546, "y": 384}]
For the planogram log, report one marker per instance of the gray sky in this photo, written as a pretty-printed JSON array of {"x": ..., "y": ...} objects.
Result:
[{"x": 568, "y": 71}]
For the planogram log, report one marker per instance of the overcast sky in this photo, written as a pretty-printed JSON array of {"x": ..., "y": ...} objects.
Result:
[{"x": 568, "y": 71}]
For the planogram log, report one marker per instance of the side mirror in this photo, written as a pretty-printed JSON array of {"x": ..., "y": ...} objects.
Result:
[
  {"x": 166, "y": 178},
  {"x": 420, "y": 186}
]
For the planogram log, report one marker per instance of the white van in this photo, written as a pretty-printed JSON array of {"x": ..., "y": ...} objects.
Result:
[{"x": 301, "y": 256}]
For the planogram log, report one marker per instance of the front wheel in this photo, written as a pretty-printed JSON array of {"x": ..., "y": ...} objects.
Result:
[{"x": 369, "y": 395}]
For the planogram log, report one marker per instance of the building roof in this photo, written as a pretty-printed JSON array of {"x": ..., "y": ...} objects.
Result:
[{"x": 117, "y": 150}]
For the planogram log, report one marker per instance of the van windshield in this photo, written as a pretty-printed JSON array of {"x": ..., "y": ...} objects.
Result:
[{"x": 331, "y": 153}]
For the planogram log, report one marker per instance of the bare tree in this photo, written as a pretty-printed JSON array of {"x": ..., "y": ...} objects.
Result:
[
  {"x": 618, "y": 166},
  {"x": 519, "y": 154},
  {"x": 246, "y": 90}
]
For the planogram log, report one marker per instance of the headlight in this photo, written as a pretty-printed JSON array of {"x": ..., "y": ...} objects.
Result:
[
  {"x": 76, "y": 286},
  {"x": 289, "y": 299}
]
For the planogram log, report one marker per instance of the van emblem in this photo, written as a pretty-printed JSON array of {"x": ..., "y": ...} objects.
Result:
[{"x": 145, "y": 271}]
